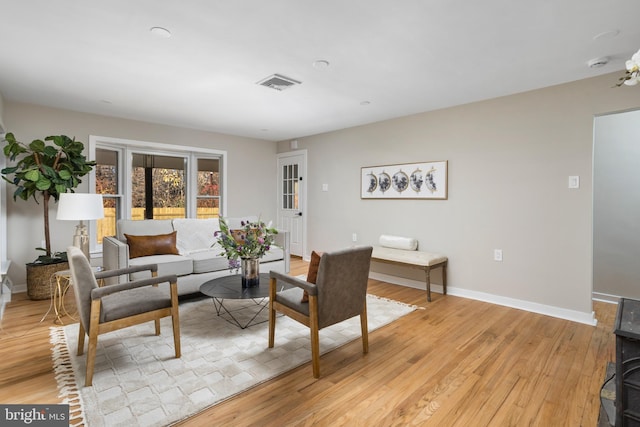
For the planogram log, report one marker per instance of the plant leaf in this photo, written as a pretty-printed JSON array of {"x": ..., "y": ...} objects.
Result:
[
  {"x": 43, "y": 184},
  {"x": 37, "y": 146},
  {"x": 32, "y": 175},
  {"x": 64, "y": 174}
]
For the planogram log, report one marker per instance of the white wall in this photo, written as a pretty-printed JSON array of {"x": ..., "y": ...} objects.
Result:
[
  {"x": 250, "y": 179},
  {"x": 509, "y": 163}
]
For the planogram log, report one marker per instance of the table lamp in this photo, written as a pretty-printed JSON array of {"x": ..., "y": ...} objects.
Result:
[{"x": 80, "y": 207}]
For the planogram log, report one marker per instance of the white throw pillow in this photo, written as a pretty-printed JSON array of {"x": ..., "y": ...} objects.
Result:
[
  {"x": 195, "y": 235},
  {"x": 397, "y": 242}
]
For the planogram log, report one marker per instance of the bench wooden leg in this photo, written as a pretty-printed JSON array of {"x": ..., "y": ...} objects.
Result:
[
  {"x": 427, "y": 271},
  {"x": 444, "y": 278}
]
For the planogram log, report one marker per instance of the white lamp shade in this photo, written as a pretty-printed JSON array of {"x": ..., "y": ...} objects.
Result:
[{"x": 80, "y": 206}]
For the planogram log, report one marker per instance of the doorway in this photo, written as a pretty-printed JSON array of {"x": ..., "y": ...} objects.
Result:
[
  {"x": 616, "y": 206},
  {"x": 292, "y": 190}
]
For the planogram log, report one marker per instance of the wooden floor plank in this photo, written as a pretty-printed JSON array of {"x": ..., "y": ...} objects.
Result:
[{"x": 452, "y": 362}]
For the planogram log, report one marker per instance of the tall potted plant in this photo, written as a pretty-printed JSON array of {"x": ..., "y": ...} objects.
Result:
[{"x": 44, "y": 169}]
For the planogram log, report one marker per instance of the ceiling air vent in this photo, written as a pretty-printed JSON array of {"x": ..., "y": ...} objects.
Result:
[{"x": 278, "y": 82}]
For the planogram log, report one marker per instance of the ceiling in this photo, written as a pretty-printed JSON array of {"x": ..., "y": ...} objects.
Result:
[{"x": 387, "y": 58}]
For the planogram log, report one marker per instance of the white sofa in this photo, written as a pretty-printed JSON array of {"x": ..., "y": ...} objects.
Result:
[{"x": 198, "y": 259}]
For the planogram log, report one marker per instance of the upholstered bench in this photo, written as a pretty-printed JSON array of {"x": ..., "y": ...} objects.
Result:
[{"x": 403, "y": 251}]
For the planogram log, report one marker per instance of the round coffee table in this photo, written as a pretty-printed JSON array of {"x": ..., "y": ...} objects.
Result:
[{"x": 230, "y": 287}]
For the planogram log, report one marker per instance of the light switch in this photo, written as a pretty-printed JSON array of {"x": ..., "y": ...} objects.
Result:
[
  {"x": 325, "y": 187},
  {"x": 574, "y": 181}
]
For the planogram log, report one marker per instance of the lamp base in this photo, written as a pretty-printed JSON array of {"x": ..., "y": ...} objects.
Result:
[{"x": 81, "y": 239}]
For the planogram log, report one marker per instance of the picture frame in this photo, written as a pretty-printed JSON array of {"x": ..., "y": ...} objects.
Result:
[{"x": 424, "y": 180}]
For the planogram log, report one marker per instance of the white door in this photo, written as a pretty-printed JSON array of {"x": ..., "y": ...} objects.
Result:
[{"x": 291, "y": 197}]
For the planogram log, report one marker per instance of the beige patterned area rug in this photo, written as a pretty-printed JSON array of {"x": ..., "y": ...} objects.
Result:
[{"x": 138, "y": 382}]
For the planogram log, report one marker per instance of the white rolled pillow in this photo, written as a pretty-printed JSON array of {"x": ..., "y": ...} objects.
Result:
[{"x": 397, "y": 242}]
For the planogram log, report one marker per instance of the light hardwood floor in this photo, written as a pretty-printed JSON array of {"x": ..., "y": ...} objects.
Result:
[{"x": 453, "y": 362}]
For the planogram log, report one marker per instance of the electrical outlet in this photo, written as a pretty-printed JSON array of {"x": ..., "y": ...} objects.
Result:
[
  {"x": 497, "y": 254},
  {"x": 354, "y": 237}
]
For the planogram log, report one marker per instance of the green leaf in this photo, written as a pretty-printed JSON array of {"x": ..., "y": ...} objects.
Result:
[
  {"x": 61, "y": 188},
  {"x": 43, "y": 184},
  {"x": 49, "y": 171},
  {"x": 9, "y": 137},
  {"x": 24, "y": 195},
  {"x": 9, "y": 170},
  {"x": 64, "y": 174},
  {"x": 37, "y": 146},
  {"x": 60, "y": 140},
  {"x": 32, "y": 175},
  {"x": 49, "y": 151}
]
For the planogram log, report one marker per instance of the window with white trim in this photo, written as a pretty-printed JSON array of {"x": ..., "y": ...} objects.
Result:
[{"x": 144, "y": 180}]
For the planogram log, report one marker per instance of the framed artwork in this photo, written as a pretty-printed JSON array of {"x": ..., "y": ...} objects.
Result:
[{"x": 426, "y": 180}]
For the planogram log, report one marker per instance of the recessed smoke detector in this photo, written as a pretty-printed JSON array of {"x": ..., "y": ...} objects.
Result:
[
  {"x": 606, "y": 35},
  {"x": 278, "y": 82},
  {"x": 320, "y": 64},
  {"x": 160, "y": 32},
  {"x": 598, "y": 62}
]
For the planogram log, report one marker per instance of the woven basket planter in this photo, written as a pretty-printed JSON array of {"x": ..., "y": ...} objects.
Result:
[{"x": 40, "y": 280}]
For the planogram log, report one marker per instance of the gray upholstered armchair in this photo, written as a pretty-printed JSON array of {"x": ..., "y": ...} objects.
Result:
[
  {"x": 112, "y": 307},
  {"x": 339, "y": 292}
]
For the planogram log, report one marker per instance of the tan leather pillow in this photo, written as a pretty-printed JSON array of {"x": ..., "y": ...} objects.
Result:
[
  {"x": 312, "y": 273},
  {"x": 159, "y": 244},
  {"x": 240, "y": 235}
]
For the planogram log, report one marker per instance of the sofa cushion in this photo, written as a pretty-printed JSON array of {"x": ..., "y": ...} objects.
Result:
[
  {"x": 275, "y": 253},
  {"x": 208, "y": 260},
  {"x": 421, "y": 258},
  {"x": 158, "y": 244},
  {"x": 195, "y": 235},
  {"x": 167, "y": 264}
]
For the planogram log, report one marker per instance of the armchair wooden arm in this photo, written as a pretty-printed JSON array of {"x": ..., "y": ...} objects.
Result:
[{"x": 111, "y": 289}]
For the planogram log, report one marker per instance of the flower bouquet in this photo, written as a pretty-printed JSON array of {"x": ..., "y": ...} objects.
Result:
[{"x": 250, "y": 242}]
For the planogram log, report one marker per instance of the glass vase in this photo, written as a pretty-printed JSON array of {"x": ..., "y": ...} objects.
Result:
[{"x": 250, "y": 271}]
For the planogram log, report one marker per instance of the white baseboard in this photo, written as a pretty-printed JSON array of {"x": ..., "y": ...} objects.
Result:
[
  {"x": 548, "y": 310},
  {"x": 16, "y": 289},
  {"x": 5, "y": 296},
  {"x": 612, "y": 299}
]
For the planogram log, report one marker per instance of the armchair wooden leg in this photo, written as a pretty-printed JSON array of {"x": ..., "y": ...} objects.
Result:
[
  {"x": 315, "y": 338},
  {"x": 81, "y": 335},
  {"x": 176, "y": 333},
  {"x": 157, "y": 325},
  {"x": 175, "y": 319},
  {"x": 272, "y": 312},
  {"x": 94, "y": 326},
  {"x": 365, "y": 329}
]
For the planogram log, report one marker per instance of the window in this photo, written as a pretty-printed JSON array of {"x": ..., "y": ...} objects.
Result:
[
  {"x": 145, "y": 180},
  {"x": 158, "y": 187},
  {"x": 208, "y": 198},
  {"x": 108, "y": 183},
  {"x": 290, "y": 186}
]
